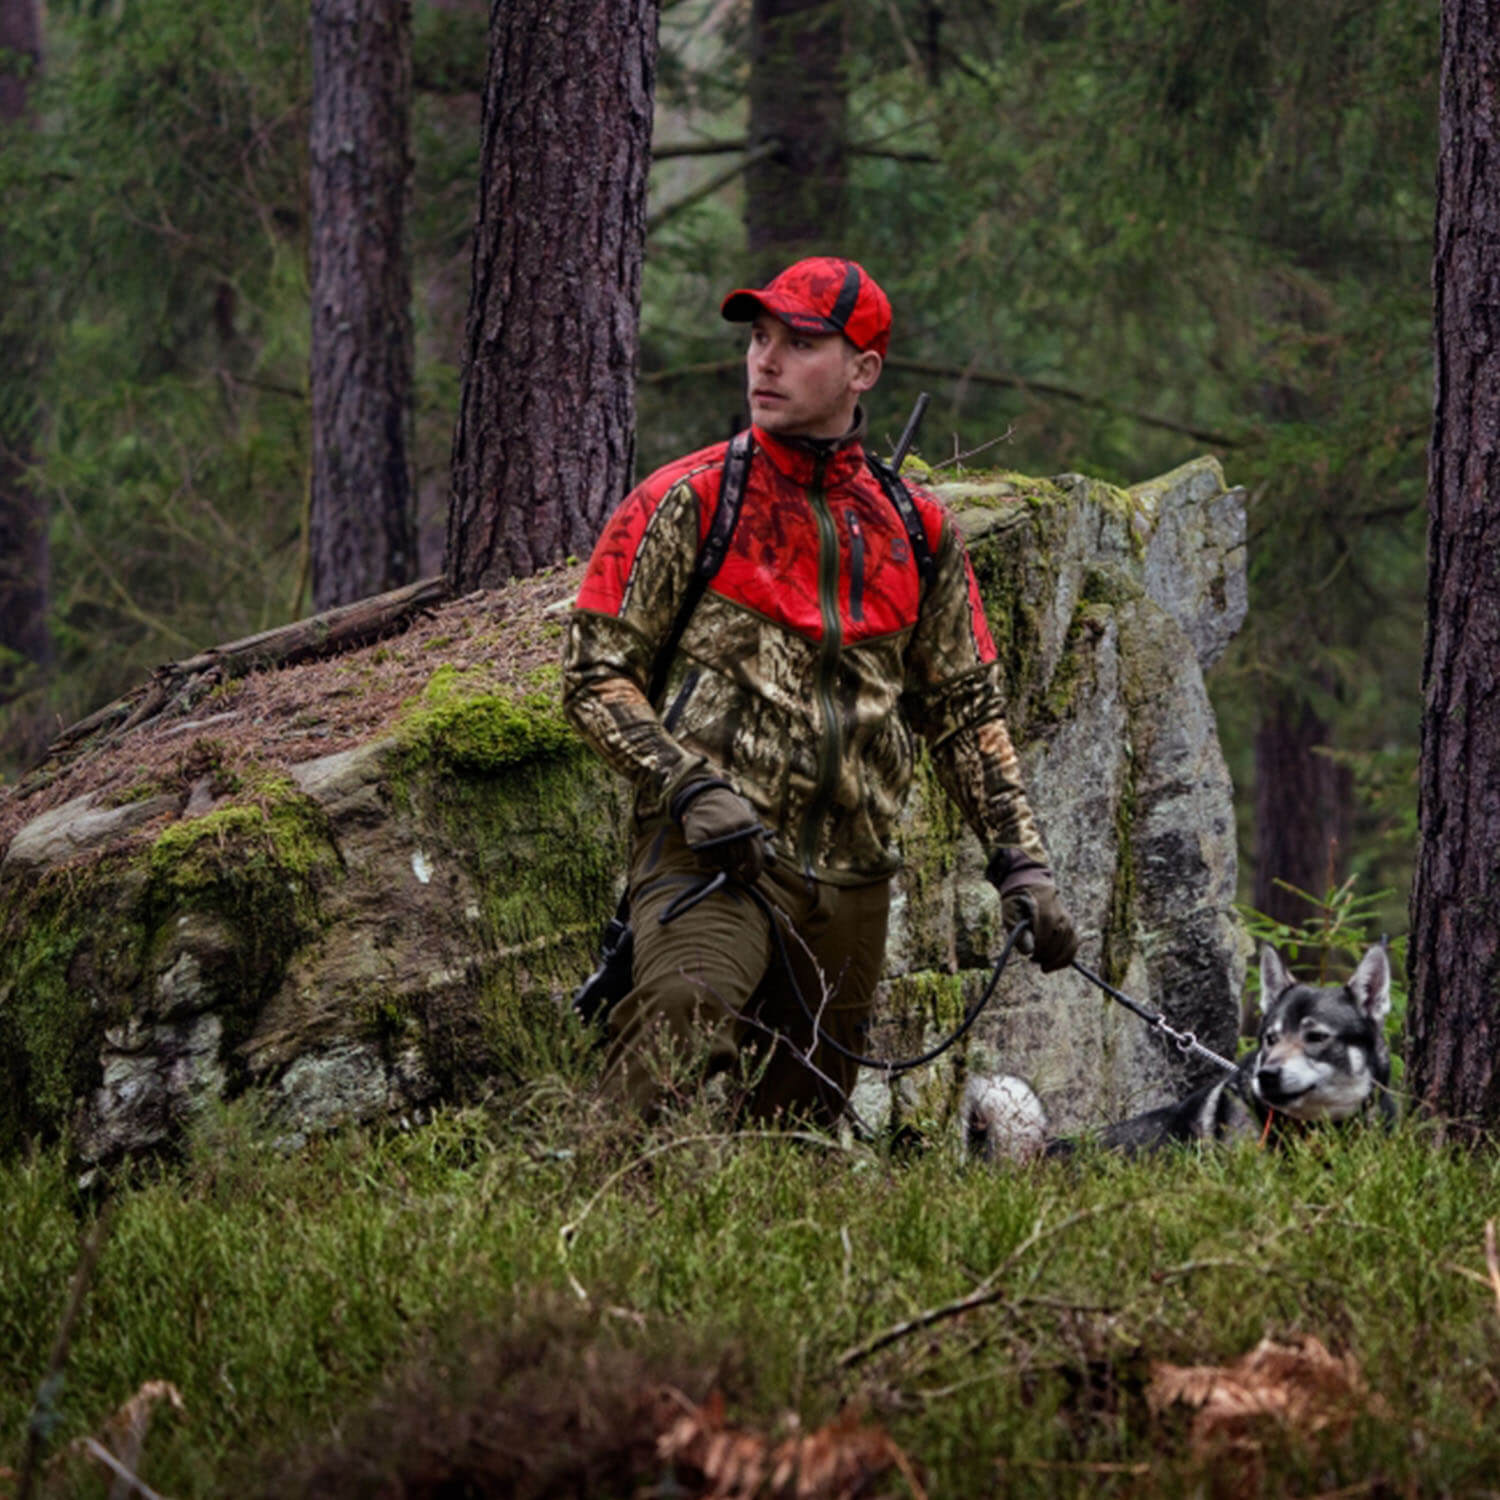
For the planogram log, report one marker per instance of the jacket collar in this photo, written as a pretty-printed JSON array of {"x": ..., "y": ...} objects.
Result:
[{"x": 798, "y": 457}]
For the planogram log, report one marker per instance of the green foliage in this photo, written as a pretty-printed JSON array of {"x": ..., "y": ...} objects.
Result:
[
  {"x": 1216, "y": 216},
  {"x": 1204, "y": 218},
  {"x": 154, "y": 247},
  {"x": 280, "y": 1291}
]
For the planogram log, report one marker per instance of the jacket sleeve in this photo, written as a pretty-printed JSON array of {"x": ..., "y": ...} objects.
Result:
[
  {"x": 954, "y": 699},
  {"x": 624, "y": 613}
]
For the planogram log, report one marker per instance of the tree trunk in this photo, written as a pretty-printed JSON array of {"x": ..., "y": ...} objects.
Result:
[
  {"x": 363, "y": 528},
  {"x": 796, "y": 198},
  {"x": 1454, "y": 957},
  {"x": 25, "y": 557},
  {"x": 545, "y": 439},
  {"x": 1303, "y": 811},
  {"x": 20, "y": 38}
]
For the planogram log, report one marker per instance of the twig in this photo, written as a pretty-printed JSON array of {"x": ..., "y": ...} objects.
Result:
[
  {"x": 192, "y": 725},
  {"x": 671, "y": 149},
  {"x": 1085, "y": 1466},
  {"x": 346, "y": 627},
  {"x": 1492, "y": 1260},
  {"x": 958, "y": 457},
  {"x": 44, "y": 1410},
  {"x": 986, "y": 1292},
  {"x": 675, "y": 150},
  {"x": 982, "y": 377},
  {"x": 99, "y": 1451},
  {"x": 803, "y": 1057},
  {"x": 710, "y": 185},
  {"x": 569, "y": 1231}
]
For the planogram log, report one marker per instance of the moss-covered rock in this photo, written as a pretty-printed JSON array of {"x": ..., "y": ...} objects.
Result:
[
  {"x": 1106, "y": 605},
  {"x": 358, "y": 934}
]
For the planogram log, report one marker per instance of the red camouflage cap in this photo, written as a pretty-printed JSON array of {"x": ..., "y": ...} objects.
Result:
[{"x": 824, "y": 294}]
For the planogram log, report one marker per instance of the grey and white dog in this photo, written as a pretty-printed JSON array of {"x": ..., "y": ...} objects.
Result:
[{"x": 1320, "y": 1055}]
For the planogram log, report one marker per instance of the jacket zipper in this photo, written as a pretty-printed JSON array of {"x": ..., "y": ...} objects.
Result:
[{"x": 829, "y": 742}]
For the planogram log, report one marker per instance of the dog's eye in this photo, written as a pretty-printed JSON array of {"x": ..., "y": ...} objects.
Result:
[{"x": 1315, "y": 1034}]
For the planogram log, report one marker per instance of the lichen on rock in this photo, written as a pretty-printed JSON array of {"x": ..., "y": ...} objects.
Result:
[{"x": 377, "y": 884}]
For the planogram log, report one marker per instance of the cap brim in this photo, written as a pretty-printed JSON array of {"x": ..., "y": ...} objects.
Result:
[{"x": 745, "y": 306}]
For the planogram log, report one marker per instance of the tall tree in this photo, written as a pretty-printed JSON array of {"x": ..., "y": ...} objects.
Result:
[
  {"x": 796, "y": 183},
  {"x": 544, "y": 444},
  {"x": 25, "y": 561},
  {"x": 1303, "y": 803},
  {"x": 1454, "y": 1015},
  {"x": 362, "y": 524}
]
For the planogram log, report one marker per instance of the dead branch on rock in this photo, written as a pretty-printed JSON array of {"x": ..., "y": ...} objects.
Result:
[{"x": 177, "y": 686}]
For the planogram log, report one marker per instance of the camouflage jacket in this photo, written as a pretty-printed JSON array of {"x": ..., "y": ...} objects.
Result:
[{"x": 806, "y": 667}]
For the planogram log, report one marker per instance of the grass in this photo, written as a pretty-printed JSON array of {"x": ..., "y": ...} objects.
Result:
[{"x": 288, "y": 1295}]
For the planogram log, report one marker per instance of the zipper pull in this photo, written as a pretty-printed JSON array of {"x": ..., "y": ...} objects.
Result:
[{"x": 856, "y": 568}]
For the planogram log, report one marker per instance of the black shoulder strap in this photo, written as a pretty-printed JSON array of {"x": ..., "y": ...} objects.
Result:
[
  {"x": 711, "y": 555},
  {"x": 899, "y": 496}
]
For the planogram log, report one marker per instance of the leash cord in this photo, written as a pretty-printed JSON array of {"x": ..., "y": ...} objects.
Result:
[
  {"x": 1184, "y": 1041},
  {"x": 890, "y": 1066}
]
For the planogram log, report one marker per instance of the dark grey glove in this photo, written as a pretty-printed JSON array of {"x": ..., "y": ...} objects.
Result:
[
  {"x": 721, "y": 828},
  {"x": 1028, "y": 894}
]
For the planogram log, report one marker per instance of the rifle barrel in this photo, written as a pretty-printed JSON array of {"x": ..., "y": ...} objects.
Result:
[{"x": 909, "y": 432}]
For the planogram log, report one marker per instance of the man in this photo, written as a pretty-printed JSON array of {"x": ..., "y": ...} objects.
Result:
[{"x": 781, "y": 749}]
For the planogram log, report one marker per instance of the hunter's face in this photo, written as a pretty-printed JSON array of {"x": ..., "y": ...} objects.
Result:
[{"x": 804, "y": 384}]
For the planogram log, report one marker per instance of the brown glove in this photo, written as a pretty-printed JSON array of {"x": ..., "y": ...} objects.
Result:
[
  {"x": 1028, "y": 894},
  {"x": 721, "y": 828},
  {"x": 1051, "y": 936}
]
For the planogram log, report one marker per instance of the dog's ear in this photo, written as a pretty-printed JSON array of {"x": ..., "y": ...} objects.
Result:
[
  {"x": 1370, "y": 983},
  {"x": 1273, "y": 976}
]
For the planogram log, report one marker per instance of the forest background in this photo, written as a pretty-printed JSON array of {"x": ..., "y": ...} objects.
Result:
[{"x": 1116, "y": 235}]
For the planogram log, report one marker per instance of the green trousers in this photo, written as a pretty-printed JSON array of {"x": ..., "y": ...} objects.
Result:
[{"x": 711, "y": 991}]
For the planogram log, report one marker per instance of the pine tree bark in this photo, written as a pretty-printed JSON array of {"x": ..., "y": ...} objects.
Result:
[
  {"x": 1454, "y": 956},
  {"x": 362, "y": 518},
  {"x": 25, "y": 556},
  {"x": 545, "y": 441},
  {"x": 796, "y": 198},
  {"x": 1303, "y": 811},
  {"x": 20, "y": 39}
]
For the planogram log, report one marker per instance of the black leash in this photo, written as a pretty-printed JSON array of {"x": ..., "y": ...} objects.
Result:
[
  {"x": 1184, "y": 1041},
  {"x": 891, "y": 1067}
]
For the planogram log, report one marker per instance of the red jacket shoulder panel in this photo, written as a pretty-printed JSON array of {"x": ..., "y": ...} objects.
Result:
[{"x": 606, "y": 582}]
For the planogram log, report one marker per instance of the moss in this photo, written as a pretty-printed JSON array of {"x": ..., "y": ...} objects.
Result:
[
  {"x": 925, "y": 1007},
  {"x": 545, "y": 678},
  {"x": 258, "y": 865},
  {"x": 965, "y": 489},
  {"x": 1103, "y": 591},
  {"x": 278, "y": 832},
  {"x": 1012, "y": 580},
  {"x": 462, "y": 721},
  {"x": 544, "y": 840},
  {"x": 928, "y": 840},
  {"x": 143, "y": 789},
  {"x": 63, "y": 964},
  {"x": 543, "y": 843},
  {"x": 1117, "y": 944},
  {"x": 927, "y": 1001}
]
